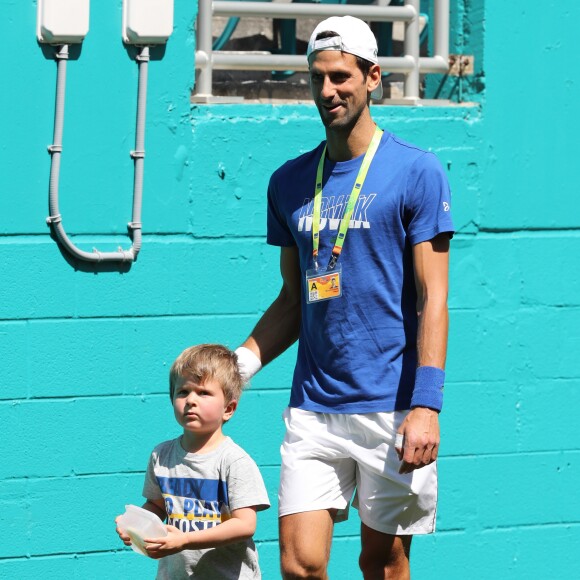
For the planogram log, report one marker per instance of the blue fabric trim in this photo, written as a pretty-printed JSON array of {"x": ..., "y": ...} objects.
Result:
[
  {"x": 428, "y": 391},
  {"x": 431, "y": 233}
]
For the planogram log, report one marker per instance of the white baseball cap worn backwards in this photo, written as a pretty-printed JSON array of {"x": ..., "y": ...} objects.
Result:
[{"x": 352, "y": 36}]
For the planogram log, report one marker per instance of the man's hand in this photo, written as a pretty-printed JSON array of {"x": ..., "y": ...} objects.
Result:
[
  {"x": 420, "y": 431},
  {"x": 172, "y": 543}
]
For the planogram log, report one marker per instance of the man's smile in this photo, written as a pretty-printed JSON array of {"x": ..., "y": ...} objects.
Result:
[{"x": 332, "y": 107}]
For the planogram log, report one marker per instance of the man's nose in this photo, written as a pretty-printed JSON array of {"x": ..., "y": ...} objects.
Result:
[{"x": 328, "y": 90}]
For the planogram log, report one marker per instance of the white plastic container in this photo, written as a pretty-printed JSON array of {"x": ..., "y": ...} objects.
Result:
[{"x": 139, "y": 524}]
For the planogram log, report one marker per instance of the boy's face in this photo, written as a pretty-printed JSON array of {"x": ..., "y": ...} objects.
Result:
[{"x": 201, "y": 408}]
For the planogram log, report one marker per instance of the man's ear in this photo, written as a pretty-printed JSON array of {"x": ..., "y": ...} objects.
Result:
[
  {"x": 230, "y": 410},
  {"x": 373, "y": 78}
]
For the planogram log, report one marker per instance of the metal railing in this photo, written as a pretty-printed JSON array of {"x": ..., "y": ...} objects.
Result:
[{"x": 411, "y": 64}]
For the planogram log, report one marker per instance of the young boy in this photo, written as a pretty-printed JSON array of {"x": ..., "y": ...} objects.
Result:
[{"x": 207, "y": 487}]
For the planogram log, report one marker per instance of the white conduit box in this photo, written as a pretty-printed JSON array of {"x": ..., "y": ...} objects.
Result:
[
  {"x": 147, "y": 22},
  {"x": 62, "y": 21}
]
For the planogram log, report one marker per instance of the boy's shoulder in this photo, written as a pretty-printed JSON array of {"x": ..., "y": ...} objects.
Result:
[
  {"x": 165, "y": 447},
  {"x": 228, "y": 451},
  {"x": 229, "y": 455},
  {"x": 232, "y": 450}
]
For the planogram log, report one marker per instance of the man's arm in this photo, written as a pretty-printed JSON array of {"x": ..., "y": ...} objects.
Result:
[
  {"x": 420, "y": 428},
  {"x": 279, "y": 326}
]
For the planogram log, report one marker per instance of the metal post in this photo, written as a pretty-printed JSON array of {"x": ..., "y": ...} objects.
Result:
[
  {"x": 411, "y": 63},
  {"x": 411, "y": 47},
  {"x": 441, "y": 35},
  {"x": 439, "y": 62},
  {"x": 317, "y": 10},
  {"x": 204, "y": 46}
]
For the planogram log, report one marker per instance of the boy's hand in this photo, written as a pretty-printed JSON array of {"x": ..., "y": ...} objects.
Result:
[
  {"x": 170, "y": 544},
  {"x": 124, "y": 537}
]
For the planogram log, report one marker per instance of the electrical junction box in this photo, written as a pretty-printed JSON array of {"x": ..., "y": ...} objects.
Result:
[
  {"x": 62, "y": 21},
  {"x": 147, "y": 22}
]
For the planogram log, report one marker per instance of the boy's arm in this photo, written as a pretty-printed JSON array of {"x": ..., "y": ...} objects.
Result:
[
  {"x": 240, "y": 526},
  {"x": 156, "y": 506}
]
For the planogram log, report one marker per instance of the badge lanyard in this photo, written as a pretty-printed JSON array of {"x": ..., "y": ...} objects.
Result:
[
  {"x": 344, "y": 222},
  {"x": 325, "y": 284}
]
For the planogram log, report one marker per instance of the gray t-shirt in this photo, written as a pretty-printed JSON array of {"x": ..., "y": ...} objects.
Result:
[{"x": 200, "y": 491}]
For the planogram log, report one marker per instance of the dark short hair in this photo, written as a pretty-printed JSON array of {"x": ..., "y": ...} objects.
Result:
[{"x": 363, "y": 64}]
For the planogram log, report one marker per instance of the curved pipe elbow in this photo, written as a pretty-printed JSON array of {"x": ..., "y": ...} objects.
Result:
[{"x": 95, "y": 256}]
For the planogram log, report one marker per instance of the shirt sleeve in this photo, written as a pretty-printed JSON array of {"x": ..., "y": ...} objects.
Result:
[
  {"x": 278, "y": 232},
  {"x": 151, "y": 488},
  {"x": 427, "y": 201},
  {"x": 245, "y": 485}
]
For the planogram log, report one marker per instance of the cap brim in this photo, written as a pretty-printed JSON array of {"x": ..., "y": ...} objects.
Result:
[{"x": 377, "y": 94}]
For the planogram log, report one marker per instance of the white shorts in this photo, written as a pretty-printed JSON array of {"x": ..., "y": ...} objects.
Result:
[{"x": 326, "y": 456}]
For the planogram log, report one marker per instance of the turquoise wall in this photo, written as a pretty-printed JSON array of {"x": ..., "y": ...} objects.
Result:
[{"x": 85, "y": 350}]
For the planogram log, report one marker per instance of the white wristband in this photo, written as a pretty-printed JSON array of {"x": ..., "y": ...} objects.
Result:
[{"x": 248, "y": 363}]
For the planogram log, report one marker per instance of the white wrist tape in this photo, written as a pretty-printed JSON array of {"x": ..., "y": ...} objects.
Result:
[{"x": 248, "y": 363}]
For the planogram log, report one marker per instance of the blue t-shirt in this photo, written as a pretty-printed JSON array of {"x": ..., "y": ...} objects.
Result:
[{"x": 357, "y": 353}]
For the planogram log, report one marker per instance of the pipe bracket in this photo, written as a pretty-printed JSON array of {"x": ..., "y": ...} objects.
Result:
[{"x": 54, "y": 219}]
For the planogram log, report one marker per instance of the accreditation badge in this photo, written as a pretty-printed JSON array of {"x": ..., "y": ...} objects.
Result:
[{"x": 323, "y": 284}]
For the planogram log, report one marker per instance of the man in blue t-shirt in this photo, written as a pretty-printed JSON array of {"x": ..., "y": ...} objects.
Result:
[{"x": 363, "y": 224}]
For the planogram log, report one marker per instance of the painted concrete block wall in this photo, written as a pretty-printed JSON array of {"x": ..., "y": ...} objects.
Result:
[{"x": 86, "y": 350}]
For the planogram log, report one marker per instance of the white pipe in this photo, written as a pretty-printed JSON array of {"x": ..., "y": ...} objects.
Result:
[
  {"x": 434, "y": 64},
  {"x": 204, "y": 41},
  {"x": 248, "y": 61},
  {"x": 55, "y": 150},
  {"x": 411, "y": 48},
  {"x": 441, "y": 31},
  {"x": 292, "y": 10}
]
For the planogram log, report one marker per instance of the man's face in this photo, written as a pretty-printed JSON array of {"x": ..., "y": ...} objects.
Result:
[{"x": 339, "y": 88}]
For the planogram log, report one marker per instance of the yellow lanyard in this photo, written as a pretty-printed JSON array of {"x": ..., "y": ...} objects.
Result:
[{"x": 344, "y": 222}]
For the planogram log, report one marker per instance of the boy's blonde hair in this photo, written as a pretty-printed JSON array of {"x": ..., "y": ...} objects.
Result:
[{"x": 208, "y": 362}]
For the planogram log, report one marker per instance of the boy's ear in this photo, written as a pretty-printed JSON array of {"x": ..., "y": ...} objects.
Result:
[{"x": 230, "y": 410}]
